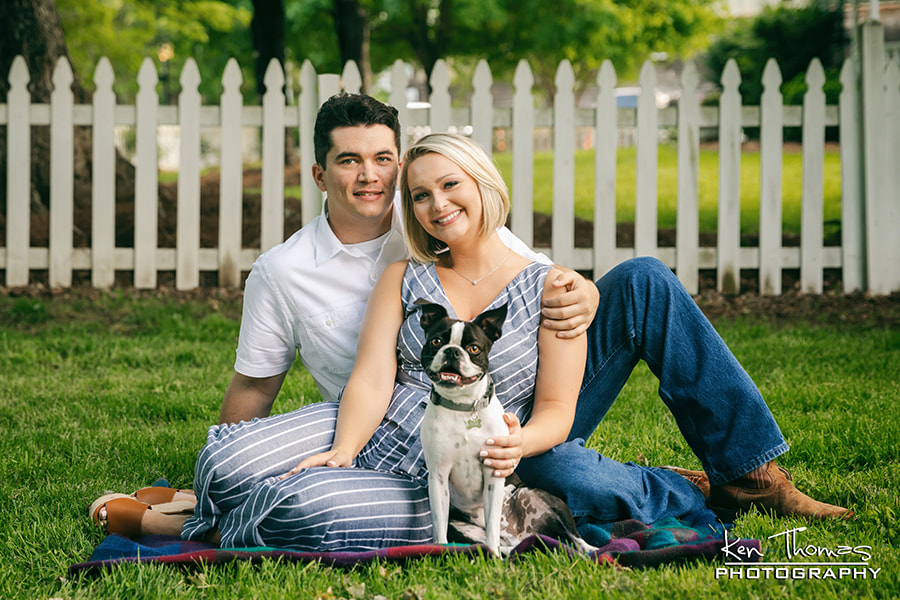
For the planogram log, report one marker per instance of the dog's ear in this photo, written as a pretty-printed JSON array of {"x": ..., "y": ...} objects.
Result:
[
  {"x": 491, "y": 321},
  {"x": 431, "y": 313}
]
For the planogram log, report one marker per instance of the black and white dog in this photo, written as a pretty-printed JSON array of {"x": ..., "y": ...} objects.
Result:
[{"x": 462, "y": 415}]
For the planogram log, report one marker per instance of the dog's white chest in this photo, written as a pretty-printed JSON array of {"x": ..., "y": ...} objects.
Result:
[{"x": 449, "y": 439}]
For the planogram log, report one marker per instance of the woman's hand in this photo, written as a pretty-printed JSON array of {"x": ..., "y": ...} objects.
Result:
[
  {"x": 505, "y": 451},
  {"x": 332, "y": 458}
]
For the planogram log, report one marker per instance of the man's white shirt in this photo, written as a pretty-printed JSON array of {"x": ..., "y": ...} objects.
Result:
[{"x": 308, "y": 295}]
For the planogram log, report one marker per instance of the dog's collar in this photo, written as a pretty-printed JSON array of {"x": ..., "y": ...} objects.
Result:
[{"x": 482, "y": 402}]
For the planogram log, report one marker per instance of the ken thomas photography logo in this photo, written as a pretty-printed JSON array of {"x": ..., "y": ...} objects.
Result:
[{"x": 803, "y": 561}]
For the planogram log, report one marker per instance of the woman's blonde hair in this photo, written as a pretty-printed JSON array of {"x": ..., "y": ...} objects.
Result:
[{"x": 475, "y": 162}]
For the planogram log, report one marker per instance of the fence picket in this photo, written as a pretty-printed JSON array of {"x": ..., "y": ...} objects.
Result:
[
  {"x": 230, "y": 178},
  {"x": 563, "y": 235},
  {"x": 813, "y": 198},
  {"x": 272, "y": 209},
  {"x": 728, "y": 278},
  {"x": 18, "y": 181},
  {"x": 483, "y": 107},
  {"x": 878, "y": 259},
  {"x": 103, "y": 178},
  {"x": 605, "y": 172},
  {"x": 770, "y": 200},
  {"x": 645, "y": 217},
  {"x": 399, "y": 81},
  {"x": 892, "y": 147},
  {"x": 146, "y": 175},
  {"x": 687, "y": 227},
  {"x": 308, "y": 104},
  {"x": 62, "y": 211},
  {"x": 187, "y": 234},
  {"x": 439, "y": 116},
  {"x": 351, "y": 79},
  {"x": 523, "y": 154},
  {"x": 853, "y": 252}
]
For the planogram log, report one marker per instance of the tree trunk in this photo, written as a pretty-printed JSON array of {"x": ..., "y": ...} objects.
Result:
[
  {"x": 267, "y": 30},
  {"x": 353, "y": 33}
]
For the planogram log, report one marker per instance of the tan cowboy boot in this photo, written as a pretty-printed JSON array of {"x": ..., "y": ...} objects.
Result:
[
  {"x": 698, "y": 478},
  {"x": 769, "y": 488}
]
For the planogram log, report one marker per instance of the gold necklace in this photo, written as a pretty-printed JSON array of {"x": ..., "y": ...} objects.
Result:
[{"x": 486, "y": 275}]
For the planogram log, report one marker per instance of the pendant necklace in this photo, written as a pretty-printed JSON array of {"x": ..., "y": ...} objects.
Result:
[{"x": 486, "y": 275}]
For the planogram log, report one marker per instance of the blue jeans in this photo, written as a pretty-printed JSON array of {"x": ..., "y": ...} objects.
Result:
[{"x": 646, "y": 314}]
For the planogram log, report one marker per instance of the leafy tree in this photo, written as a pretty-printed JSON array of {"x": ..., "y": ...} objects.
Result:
[
  {"x": 126, "y": 31},
  {"x": 793, "y": 36}
]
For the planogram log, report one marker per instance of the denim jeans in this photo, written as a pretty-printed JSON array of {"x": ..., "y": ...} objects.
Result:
[{"x": 646, "y": 314}]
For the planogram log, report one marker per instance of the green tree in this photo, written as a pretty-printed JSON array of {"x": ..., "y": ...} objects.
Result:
[
  {"x": 793, "y": 36},
  {"x": 127, "y": 31}
]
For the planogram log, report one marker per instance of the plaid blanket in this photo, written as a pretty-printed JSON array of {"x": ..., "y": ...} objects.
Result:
[{"x": 628, "y": 543}]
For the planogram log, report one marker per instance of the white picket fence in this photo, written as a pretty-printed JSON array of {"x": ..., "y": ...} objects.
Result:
[{"x": 869, "y": 254}]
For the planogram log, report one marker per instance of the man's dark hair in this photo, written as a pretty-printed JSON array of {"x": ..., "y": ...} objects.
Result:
[{"x": 351, "y": 110}]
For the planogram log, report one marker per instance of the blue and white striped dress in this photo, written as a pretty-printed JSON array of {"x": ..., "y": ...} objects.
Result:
[{"x": 382, "y": 500}]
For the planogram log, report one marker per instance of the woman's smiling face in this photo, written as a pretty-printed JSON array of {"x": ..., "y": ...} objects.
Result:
[{"x": 446, "y": 200}]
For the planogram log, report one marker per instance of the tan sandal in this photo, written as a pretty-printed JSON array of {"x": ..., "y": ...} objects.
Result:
[
  {"x": 157, "y": 495},
  {"x": 124, "y": 513}
]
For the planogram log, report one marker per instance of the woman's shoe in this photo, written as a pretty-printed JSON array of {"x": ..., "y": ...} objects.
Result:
[
  {"x": 157, "y": 495},
  {"x": 123, "y": 514}
]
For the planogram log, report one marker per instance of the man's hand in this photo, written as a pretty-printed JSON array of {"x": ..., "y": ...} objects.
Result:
[{"x": 572, "y": 312}]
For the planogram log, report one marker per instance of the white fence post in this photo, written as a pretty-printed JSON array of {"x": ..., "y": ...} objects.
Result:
[
  {"x": 18, "y": 174},
  {"x": 103, "y": 178},
  {"x": 605, "y": 171},
  {"x": 878, "y": 259},
  {"x": 563, "y": 228},
  {"x": 853, "y": 234},
  {"x": 813, "y": 200},
  {"x": 272, "y": 207},
  {"x": 645, "y": 210},
  {"x": 439, "y": 115},
  {"x": 483, "y": 107},
  {"x": 687, "y": 229},
  {"x": 770, "y": 175},
  {"x": 230, "y": 178},
  {"x": 523, "y": 154},
  {"x": 892, "y": 127},
  {"x": 62, "y": 175},
  {"x": 308, "y": 105},
  {"x": 729, "y": 227},
  {"x": 399, "y": 81},
  {"x": 146, "y": 193},
  {"x": 187, "y": 238},
  {"x": 351, "y": 80}
]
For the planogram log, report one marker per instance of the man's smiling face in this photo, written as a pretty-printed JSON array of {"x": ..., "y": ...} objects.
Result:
[{"x": 360, "y": 178}]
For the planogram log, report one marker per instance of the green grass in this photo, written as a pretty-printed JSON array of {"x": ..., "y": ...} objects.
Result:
[
  {"x": 667, "y": 186},
  {"x": 111, "y": 392}
]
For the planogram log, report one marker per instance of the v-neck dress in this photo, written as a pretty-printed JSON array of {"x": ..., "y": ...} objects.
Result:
[{"x": 382, "y": 500}]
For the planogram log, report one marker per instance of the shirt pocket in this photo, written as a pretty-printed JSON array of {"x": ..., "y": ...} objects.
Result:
[{"x": 332, "y": 335}]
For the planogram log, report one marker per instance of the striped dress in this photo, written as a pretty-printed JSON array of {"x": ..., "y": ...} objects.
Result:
[{"x": 382, "y": 500}]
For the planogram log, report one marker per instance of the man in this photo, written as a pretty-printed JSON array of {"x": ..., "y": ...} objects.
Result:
[{"x": 308, "y": 295}]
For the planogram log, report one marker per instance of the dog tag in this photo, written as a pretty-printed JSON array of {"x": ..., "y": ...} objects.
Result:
[{"x": 473, "y": 423}]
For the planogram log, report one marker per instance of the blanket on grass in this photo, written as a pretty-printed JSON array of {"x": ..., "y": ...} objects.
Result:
[{"x": 628, "y": 543}]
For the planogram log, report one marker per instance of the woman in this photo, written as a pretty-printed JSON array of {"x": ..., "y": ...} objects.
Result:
[{"x": 351, "y": 475}]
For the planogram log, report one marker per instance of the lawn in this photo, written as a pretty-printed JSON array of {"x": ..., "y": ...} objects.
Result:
[
  {"x": 108, "y": 391},
  {"x": 667, "y": 185}
]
